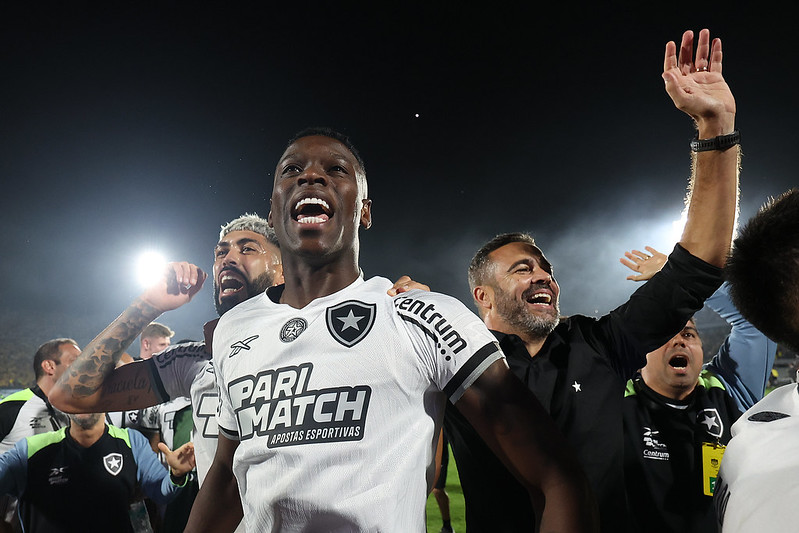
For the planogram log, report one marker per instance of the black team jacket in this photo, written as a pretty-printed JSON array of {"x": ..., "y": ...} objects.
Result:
[{"x": 579, "y": 376}]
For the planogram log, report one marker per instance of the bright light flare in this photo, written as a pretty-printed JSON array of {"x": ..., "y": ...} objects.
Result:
[
  {"x": 677, "y": 226},
  {"x": 150, "y": 268}
]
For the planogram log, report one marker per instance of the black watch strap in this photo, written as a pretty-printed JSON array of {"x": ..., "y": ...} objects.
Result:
[{"x": 722, "y": 142}]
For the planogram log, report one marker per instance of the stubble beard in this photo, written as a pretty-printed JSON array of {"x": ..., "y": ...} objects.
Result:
[
  {"x": 253, "y": 288},
  {"x": 87, "y": 421},
  {"x": 518, "y": 316}
]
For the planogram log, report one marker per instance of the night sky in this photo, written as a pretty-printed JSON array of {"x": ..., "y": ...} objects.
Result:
[{"x": 131, "y": 126}]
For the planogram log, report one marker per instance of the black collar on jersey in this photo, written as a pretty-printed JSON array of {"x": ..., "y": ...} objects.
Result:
[
  {"x": 55, "y": 419},
  {"x": 642, "y": 388},
  {"x": 37, "y": 390},
  {"x": 50, "y": 409},
  {"x": 275, "y": 292}
]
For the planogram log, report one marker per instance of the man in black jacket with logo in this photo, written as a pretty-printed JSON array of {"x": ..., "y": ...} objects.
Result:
[{"x": 577, "y": 367}]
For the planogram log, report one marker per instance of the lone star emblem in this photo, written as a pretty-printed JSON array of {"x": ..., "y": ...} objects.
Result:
[
  {"x": 350, "y": 321},
  {"x": 709, "y": 421},
  {"x": 712, "y": 421},
  {"x": 577, "y": 386},
  {"x": 113, "y": 463}
]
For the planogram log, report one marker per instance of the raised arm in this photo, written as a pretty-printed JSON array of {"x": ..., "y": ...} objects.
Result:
[
  {"x": 523, "y": 436},
  {"x": 696, "y": 86},
  {"x": 93, "y": 383},
  {"x": 217, "y": 507}
]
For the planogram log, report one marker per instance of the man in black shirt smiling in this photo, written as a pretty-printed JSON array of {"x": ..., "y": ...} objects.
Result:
[{"x": 578, "y": 366}]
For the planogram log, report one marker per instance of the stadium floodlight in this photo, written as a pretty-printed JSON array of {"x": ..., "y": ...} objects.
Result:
[{"x": 149, "y": 267}]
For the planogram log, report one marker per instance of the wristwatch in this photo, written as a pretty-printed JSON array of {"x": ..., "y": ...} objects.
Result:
[{"x": 722, "y": 142}]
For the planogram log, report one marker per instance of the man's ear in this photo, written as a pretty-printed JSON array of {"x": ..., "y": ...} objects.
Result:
[
  {"x": 269, "y": 216},
  {"x": 483, "y": 297},
  {"x": 48, "y": 365},
  {"x": 366, "y": 213},
  {"x": 145, "y": 343}
]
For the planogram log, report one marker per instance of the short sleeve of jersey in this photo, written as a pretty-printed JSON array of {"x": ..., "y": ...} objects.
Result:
[
  {"x": 176, "y": 368},
  {"x": 453, "y": 344}
]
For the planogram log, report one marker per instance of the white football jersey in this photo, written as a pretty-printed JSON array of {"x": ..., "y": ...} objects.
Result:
[
  {"x": 756, "y": 486},
  {"x": 186, "y": 370},
  {"x": 338, "y": 405}
]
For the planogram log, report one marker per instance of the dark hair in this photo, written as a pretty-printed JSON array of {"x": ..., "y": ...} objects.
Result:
[
  {"x": 763, "y": 269},
  {"x": 49, "y": 351},
  {"x": 479, "y": 266},
  {"x": 333, "y": 134}
]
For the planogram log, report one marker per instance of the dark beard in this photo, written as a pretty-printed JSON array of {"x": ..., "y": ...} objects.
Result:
[
  {"x": 253, "y": 288},
  {"x": 516, "y": 314}
]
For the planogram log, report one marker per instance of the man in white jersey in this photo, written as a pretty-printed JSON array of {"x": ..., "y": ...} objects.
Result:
[
  {"x": 246, "y": 262},
  {"x": 28, "y": 412},
  {"x": 332, "y": 393},
  {"x": 756, "y": 488}
]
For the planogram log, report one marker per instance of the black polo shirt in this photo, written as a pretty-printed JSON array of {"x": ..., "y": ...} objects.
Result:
[{"x": 579, "y": 376}]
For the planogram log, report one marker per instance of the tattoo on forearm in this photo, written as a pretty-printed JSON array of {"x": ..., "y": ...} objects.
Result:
[{"x": 85, "y": 376}]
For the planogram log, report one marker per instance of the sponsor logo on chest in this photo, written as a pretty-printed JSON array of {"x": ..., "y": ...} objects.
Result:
[
  {"x": 653, "y": 448},
  {"x": 277, "y": 404},
  {"x": 37, "y": 422},
  {"x": 58, "y": 476}
]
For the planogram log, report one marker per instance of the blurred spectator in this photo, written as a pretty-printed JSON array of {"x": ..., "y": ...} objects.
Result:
[
  {"x": 82, "y": 477},
  {"x": 154, "y": 338},
  {"x": 678, "y": 413},
  {"x": 27, "y": 412}
]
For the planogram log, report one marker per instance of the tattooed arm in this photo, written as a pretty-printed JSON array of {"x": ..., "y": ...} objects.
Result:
[{"x": 93, "y": 383}]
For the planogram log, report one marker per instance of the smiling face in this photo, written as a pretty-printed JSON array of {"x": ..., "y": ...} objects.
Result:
[
  {"x": 245, "y": 264},
  {"x": 319, "y": 199},
  {"x": 522, "y": 298},
  {"x": 673, "y": 369}
]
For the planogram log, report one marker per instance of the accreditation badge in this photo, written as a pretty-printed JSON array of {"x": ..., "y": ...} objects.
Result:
[{"x": 711, "y": 461}]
